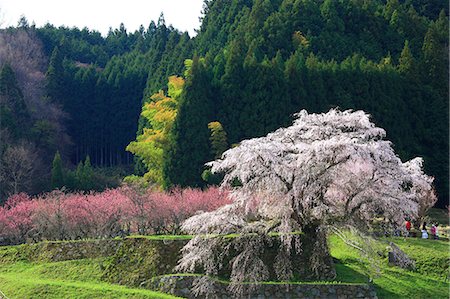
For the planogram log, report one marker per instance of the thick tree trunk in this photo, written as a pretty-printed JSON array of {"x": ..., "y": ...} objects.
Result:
[{"x": 314, "y": 261}]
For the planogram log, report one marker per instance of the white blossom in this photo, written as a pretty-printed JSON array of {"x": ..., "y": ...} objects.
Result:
[{"x": 326, "y": 169}]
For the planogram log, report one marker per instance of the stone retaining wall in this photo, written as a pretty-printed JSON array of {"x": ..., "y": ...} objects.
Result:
[{"x": 181, "y": 286}]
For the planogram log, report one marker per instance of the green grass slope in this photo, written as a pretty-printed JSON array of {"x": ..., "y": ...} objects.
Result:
[
  {"x": 66, "y": 279},
  {"x": 27, "y": 275},
  {"x": 429, "y": 280}
]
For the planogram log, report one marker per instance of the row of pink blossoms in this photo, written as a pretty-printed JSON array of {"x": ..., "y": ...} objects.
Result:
[{"x": 116, "y": 212}]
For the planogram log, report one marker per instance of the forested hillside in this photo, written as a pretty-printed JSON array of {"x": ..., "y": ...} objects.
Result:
[
  {"x": 100, "y": 82},
  {"x": 265, "y": 60},
  {"x": 251, "y": 66},
  {"x": 31, "y": 128}
]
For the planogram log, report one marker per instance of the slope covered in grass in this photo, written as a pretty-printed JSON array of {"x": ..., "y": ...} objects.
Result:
[
  {"x": 67, "y": 279},
  {"x": 429, "y": 280},
  {"x": 26, "y": 275}
]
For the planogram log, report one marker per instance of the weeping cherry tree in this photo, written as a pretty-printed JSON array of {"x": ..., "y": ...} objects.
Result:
[{"x": 330, "y": 170}]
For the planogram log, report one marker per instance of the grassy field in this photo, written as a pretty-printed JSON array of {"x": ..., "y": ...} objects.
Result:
[
  {"x": 67, "y": 279},
  {"x": 83, "y": 278},
  {"x": 429, "y": 280}
]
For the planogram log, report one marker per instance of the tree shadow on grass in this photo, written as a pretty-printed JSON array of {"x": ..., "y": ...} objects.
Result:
[
  {"x": 395, "y": 283},
  {"x": 345, "y": 273}
]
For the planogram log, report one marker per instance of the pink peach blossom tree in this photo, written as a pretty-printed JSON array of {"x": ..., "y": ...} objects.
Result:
[{"x": 116, "y": 212}]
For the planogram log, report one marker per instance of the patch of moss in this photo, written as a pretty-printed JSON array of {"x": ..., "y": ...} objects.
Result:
[
  {"x": 9, "y": 254},
  {"x": 139, "y": 259},
  {"x": 58, "y": 251},
  {"x": 13, "y": 254}
]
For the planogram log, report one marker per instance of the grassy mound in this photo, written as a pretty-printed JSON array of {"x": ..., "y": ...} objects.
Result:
[{"x": 40, "y": 271}]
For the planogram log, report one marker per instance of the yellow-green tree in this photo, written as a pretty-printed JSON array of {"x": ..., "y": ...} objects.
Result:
[{"x": 160, "y": 113}]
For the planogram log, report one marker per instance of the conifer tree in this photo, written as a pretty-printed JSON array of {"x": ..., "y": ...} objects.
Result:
[
  {"x": 190, "y": 146},
  {"x": 218, "y": 139},
  {"x": 407, "y": 64},
  {"x": 13, "y": 110},
  {"x": 88, "y": 174},
  {"x": 79, "y": 176},
  {"x": 55, "y": 77},
  {"x": 57, "y": 180},
  {"x": 232, "y": 85},
  {"x": 435, "y": 53},
  {"x": 390, "y": 7}
]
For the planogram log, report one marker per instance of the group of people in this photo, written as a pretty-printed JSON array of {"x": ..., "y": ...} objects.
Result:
[{"x": 433, "y": 230}]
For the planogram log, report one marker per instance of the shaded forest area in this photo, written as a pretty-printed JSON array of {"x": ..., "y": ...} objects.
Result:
[{"x": 253, "y": 64}]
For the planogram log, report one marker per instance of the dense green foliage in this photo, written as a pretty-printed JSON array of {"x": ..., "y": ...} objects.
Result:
[
  {"x": 261, "y": 61},
  {"x": 100, "y": 82},
  {"x": 190, "y": 145},
  {"x": 57, "y": 172},
  {"x": 87, "y": 178},
  {"x": 20, "y": 134},
  {"x": 219, "y": 141},
  {"x": 269, "y": 59},
  {"x": 14, "y": 114}
]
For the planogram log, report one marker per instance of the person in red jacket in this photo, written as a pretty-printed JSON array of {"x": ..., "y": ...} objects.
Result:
[{"x": 408, "y": 227}]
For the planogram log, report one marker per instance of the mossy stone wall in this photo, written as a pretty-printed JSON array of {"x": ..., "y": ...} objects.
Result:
[
  {"x": 181, "y": 286},
  {"x": 137, "y": 260}
]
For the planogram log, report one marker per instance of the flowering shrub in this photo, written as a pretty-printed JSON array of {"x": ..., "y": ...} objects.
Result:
[
  {"x": 16, "y": 217},
  {"x": 116, "y": 212}
]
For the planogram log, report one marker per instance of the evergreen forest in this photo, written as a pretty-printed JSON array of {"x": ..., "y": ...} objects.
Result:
[{"x": 80, "y": 111}]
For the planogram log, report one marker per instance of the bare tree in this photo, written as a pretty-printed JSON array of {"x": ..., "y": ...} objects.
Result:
[
  {"x": 23, "y": 51},
  {"x": 326, "y": 170},
  {"x": 17, "y": 167}
]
